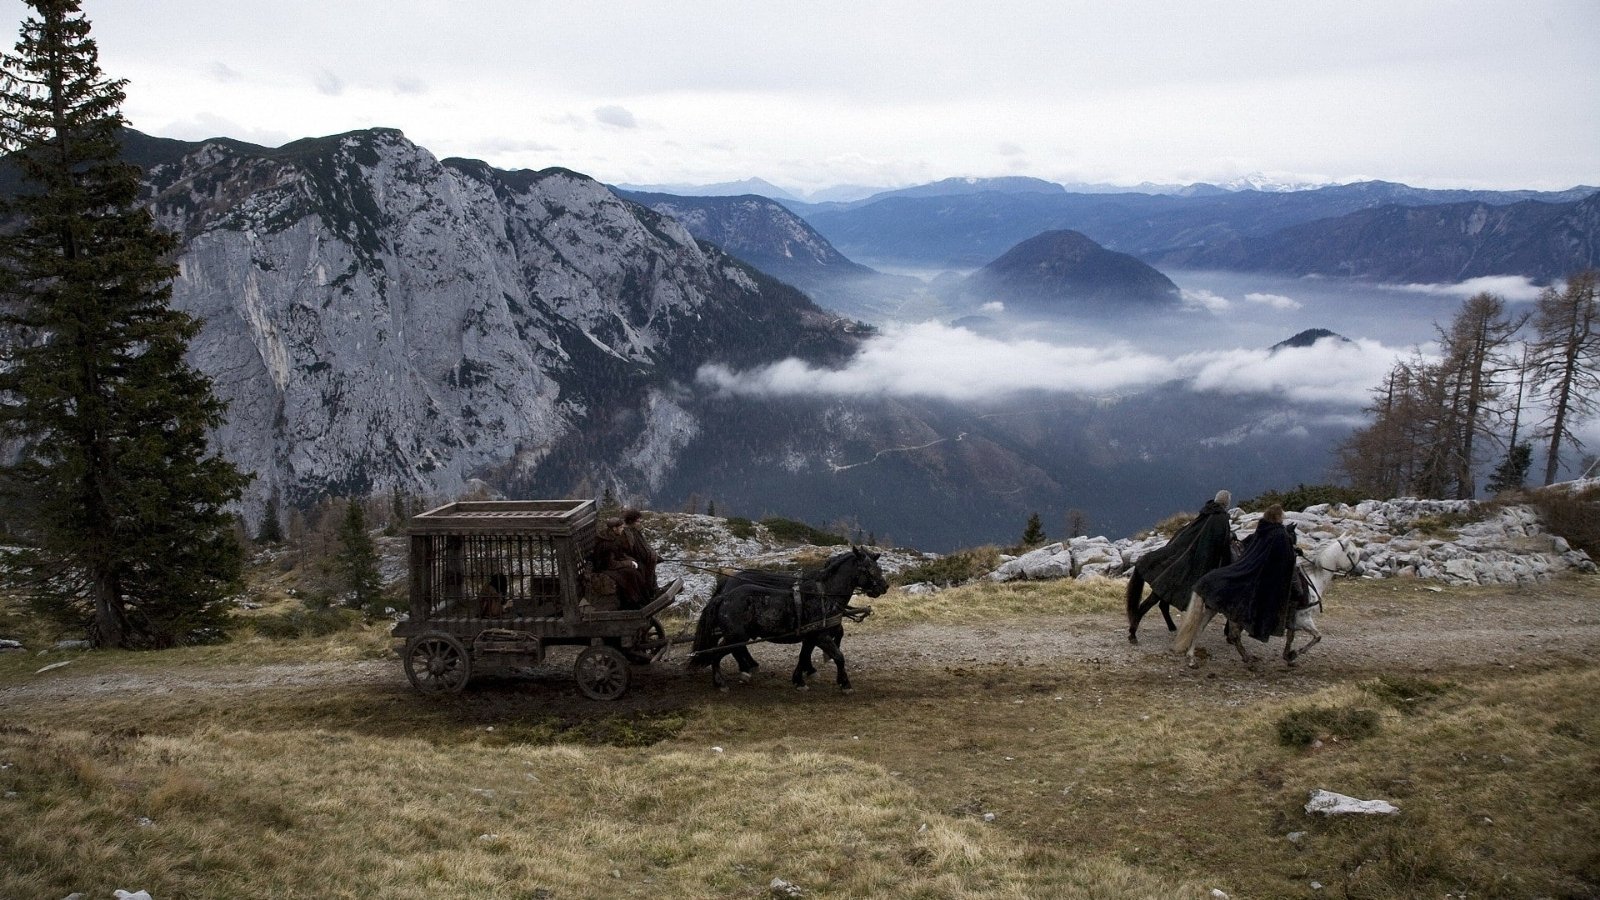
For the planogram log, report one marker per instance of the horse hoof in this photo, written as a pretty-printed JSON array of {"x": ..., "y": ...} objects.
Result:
[
  {"x": 722, "y": 688},
  {"x": 1133, "y": 638},
  {"x": 802, "y": 687},
  {"x": 1291, "y": 656},
  {"x": 847, "y": 689},
  {"x": 744, "y": 677}
]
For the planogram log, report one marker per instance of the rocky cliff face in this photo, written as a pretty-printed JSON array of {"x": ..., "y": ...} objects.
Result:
[{"x": 377, "y": 317}]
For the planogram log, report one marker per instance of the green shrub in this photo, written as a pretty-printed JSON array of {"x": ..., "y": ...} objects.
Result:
[
  {"x": 1445, "y": 524},
  {"x": 947, "y": 571},
  {"x": 799, "y": 532},
  {"x": 1301, "y": 727},
  {"x": 744, "y": 529},
  {"x": 1406, "y": 693},
  {"x": 312, "y": 619},
  {"x": 1302, "y": 496}
]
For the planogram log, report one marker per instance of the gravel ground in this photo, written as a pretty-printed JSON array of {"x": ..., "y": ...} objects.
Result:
[{"x": 1417, "y": 629}]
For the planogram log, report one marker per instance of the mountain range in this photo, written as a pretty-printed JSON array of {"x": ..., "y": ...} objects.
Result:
[
  {"x": 1287, "y": 232},
  {"x": 378, "y": 318}
]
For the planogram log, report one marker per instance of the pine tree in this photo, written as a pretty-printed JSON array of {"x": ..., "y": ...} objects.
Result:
[
  {"x": 122, "y": 522},
  {"x": 357, "y": 559},
  {"x": 1512, "y": 473},
  {"x": 271, "y": 531},
  {"x": 1034, "y": 533}
]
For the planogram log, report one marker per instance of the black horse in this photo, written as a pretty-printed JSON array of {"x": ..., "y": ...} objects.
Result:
[
  {"x": 1137, "y": 609},
  {"x": 785, "y": 609},
  {"x": 1205, "y": 543}
]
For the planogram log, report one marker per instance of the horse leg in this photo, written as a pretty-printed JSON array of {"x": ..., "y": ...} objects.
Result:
[
  {"x": 802, "y": 666},
  {"x": 1166, "y": 613},
  {"x": 747, "y": 663},
  {"x": 1138, "y": 615},
  {"x": 831, "y": 648},
  {"x": 1198, "y": 608},
  {"x": 717, "y": 681},
  {"x": 1305, "y": 623},
  {"x": 1289, "y": 653},
  {"x": 1235, "y": 635}
]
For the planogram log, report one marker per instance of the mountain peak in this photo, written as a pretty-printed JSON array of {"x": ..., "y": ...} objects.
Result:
[
  {"x": 1308, "y": 338},
  {"x": 1067, "y": 267}
]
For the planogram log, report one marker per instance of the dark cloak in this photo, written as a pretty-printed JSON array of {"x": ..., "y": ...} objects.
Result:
[
  {"x": 1200, "y": 546},
  {"x": 1254, "y": 591},
  {"x": 610, "y": 557},
  {"x": 637, "y": 547}
]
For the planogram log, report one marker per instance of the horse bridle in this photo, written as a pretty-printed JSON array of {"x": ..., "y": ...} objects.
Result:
[{"x": 1350, "y": 553}]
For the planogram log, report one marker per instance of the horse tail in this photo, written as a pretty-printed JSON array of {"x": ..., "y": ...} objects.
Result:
[
  {"x": 1190, "y": 629},
  {"x": 705, "y": 634},
  {"x": 1135, "y": 594}
]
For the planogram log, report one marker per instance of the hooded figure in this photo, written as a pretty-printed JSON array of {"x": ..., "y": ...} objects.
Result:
[
  {"x": 1172, "y": 569},
  {"x": 1254, "y": 591}
]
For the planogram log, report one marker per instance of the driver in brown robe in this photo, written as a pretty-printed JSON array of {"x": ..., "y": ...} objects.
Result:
[
  {"x": 611, "y": 557},
  {"x": 639, "y": 549}
]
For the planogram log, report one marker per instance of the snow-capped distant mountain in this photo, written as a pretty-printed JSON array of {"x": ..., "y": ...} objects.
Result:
[{"x": 1271, "y": 184}]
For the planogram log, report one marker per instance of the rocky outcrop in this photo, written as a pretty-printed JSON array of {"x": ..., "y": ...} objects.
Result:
[{"x": 1458, "y": 542}]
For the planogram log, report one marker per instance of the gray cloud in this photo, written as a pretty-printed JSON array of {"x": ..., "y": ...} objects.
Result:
[
  {"x": 328, "y": 83},
  {"x": 221, "y": 71},
  {"x": 615, "y": 116}
]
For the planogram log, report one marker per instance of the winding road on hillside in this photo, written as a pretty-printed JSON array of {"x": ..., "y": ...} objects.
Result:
[{"x": 1378, "y": 628}]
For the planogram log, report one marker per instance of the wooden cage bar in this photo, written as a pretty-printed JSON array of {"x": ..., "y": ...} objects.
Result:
[{"x": 501, "y": 560}]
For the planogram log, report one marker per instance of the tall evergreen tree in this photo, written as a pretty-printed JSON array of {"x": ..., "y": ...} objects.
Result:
[
  {"x": 357, "y": 559},
  {"x": 125, "y": 528},
  {"x": 271, "y": 531},
  {"x": 1034, "y": 532}
]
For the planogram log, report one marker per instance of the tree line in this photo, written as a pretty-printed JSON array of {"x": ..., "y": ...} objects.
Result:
[{"x": 1503, "y": 385}]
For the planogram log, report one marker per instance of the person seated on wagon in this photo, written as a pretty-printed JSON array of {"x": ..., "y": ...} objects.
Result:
[
  {"x": 611, "y": 559},
  {"x": 640, "y": 550}
]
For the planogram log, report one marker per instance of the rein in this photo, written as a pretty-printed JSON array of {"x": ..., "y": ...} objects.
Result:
[{"x": 1315, "y": 595}]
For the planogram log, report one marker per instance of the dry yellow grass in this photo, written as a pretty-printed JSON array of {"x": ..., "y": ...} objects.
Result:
[
  {"x": 986, "y": 601},
  {"x": 1103, "y": 782}
]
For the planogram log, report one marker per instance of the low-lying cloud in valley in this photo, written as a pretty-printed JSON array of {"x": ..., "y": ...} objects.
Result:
[
  {"x": 1516, "y": 288},
  {"x": 931, "y": 359}
]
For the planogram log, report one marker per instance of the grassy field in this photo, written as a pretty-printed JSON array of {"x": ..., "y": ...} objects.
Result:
[{"x": 956, "y": 779}]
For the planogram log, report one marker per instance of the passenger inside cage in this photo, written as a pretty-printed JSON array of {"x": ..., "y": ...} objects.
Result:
[{"x": 492, "y": 596}]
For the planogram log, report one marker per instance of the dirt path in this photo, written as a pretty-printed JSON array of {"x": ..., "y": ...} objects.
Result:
[{"x": 1513, "y": 628}]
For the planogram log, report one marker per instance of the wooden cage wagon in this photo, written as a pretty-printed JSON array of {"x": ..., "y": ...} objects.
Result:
[{"x": 495, "y": 583}]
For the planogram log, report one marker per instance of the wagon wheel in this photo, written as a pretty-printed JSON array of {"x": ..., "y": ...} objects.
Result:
[
  {"x": 602, "y": 673},
  {"x": 437, "y": 663},
  {"x": 649, "y": 642}
]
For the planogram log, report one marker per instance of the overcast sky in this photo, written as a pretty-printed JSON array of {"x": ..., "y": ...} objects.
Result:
[{"x": 1448, "y": 93}]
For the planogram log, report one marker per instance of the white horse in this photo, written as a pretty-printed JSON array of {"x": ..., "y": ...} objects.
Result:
[{"x": 1337, "y": 557}]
